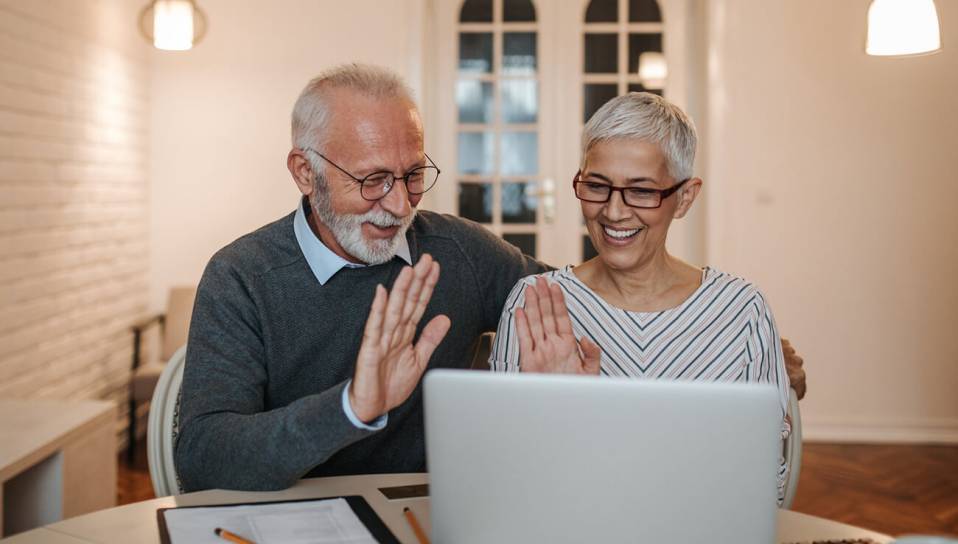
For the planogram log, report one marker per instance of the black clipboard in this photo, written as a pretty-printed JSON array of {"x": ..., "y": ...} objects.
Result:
[{"x": 360, "y": 507}]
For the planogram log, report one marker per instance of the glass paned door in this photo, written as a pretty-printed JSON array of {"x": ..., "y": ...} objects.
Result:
[
  {"x": 498, "y": 171},
  {"x": 515, "y": 82}
]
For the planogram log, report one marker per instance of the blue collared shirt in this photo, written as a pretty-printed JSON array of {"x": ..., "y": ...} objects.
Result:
[
  {"x": 321, "y": 260},
  {"x": 325, "y": 264}
]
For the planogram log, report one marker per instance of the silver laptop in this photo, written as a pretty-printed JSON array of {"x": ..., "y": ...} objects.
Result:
[{"x": 541, "y": 458}]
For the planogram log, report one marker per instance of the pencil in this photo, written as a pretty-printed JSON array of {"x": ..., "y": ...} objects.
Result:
[
  {"x": 416, "y": 528},
  {"x": 232, "y": 537}
]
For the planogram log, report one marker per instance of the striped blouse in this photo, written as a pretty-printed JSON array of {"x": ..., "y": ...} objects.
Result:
[{"x": 723, "y": 332}]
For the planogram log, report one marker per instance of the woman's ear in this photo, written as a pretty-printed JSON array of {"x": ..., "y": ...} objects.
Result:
[
  {"x": 687, "y": 196},
  {"x": 299, "y": 167}
]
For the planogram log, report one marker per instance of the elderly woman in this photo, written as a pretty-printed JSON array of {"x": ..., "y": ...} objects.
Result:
[{"x": 635, "y": 310}]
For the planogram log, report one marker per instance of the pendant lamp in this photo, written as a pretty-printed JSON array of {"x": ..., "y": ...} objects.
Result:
[
  {"x": 902, "y": 27},
  {"x": 173, "y": 25}
]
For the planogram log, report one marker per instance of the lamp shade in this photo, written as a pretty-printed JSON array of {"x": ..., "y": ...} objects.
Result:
[
  {"x": 653, "y": 70},
  {"x": 173, "y": 25},
  {"x": 902, "y": 27}
]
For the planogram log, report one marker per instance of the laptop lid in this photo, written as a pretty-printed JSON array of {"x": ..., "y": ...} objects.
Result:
[{"x": 544, "y": 458}]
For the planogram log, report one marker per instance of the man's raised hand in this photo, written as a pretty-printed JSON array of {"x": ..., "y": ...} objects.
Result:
[{"x": 389, "y": 365}]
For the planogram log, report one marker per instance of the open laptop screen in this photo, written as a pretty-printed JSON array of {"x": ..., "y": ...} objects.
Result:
[{"x": 544, "y": 458}]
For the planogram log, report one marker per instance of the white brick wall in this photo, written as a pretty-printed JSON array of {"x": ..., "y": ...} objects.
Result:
[{"x": 74, "y": 116}]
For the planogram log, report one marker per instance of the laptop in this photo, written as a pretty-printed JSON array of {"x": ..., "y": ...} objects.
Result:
[{"x": 545, "y": 458}]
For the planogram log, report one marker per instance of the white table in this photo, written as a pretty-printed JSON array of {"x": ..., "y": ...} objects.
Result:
[
  {"x": 57, "y": 460},
  {"x": 137, "y": 522}
]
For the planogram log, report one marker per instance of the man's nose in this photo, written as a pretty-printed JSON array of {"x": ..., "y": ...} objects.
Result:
[{"x": 396, "y": 200}]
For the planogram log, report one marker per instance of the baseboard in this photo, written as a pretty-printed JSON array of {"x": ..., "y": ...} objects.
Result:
[{"x": 925, "y": 431}]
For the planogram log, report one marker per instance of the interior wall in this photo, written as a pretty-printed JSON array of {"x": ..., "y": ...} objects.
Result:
[
  {"x": 220, "y": 115},
  {"x": 831, "y": 186},
  {"x": 74, "y": 110}
]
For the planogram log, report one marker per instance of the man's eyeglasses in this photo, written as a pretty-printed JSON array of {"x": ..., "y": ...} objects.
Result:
[
  {"x": 378, "y": 184},
  {"x": 637, "y": 197}
]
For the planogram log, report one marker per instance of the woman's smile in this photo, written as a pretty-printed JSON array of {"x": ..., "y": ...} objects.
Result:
[{"x": 618, "y": 236}]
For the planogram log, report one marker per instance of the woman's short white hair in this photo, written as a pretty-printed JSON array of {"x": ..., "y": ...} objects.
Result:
[
  {"x": 648, "y": 117},
  {"x": 311, "y": 112}
]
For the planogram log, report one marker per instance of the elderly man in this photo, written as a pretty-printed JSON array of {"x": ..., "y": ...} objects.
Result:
[
  {"x": 300, "y": 362},
  {"x": 285, "y": 375}
]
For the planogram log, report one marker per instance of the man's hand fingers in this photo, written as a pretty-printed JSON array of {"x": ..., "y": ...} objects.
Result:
[
  {"x": 432, "y": 334},
  {"x": 407, "y": 328},
  {"x": 374, "y": 322},
  {"x": 793, "y": 366},
  {"x": 421, "y": 272},
  {"x": 796, "y": 378},
  {"x": 533, "y": 315},
  {"x": 425, "y": 294},
  {"x": 397, "y": 298},
  {"x": 787, "y": 347}
]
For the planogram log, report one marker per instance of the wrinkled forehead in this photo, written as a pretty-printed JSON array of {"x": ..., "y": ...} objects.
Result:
[
  {"x": 372, "y": 132},
  {"x": 375, "y": 119}
]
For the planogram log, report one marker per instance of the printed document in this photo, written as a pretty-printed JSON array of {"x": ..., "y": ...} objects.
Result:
[{"x": 319, "y": 522}]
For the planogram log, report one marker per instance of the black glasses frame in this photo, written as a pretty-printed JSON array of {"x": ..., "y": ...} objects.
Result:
[
  {"x": 405, "y": 177},
  {"x": 663, "y": 193}
]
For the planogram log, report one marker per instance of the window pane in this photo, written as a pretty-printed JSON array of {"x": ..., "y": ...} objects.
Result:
[
  {"x": 602, "y": 11},
  {"x": 519, "y": 202},
  {"x": 519, "y": 53},
  {"x": 638, "y": 88},
  {"x": 597, "y": 94},
  {"x": 525, "y": 242},
  {"x": 475, "y": 52},
  {"x": 588, "y": 250},
  {"x": 644, "y": 11},
  {"x": 520, "y": 154},
  {"x": 518, "y": 11},
  {"x": 640, "y": 43},
  {"x": 475, "y": 152},
  {"x": 474, "y": 99},
  {"x": 601, "y": 54},
  {"x": 475, "y": 201},
  {"x": 476, "y": 11},
  {"x": 520, "y": 103}
]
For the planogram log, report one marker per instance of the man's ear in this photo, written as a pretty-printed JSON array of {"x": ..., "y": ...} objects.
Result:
[
  {"x": 301, "y": 171},
  {"x": 687, "y": 196}
]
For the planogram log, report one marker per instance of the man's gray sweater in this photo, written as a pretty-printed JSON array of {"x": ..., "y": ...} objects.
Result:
[{"x": 270, "y": 350}]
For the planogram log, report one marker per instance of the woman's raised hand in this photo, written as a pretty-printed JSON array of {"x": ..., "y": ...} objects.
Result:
[{"x": 546, "y": 341}]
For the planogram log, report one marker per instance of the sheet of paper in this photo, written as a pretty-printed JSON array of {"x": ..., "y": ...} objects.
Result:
[{"x": 320, "y": 522}]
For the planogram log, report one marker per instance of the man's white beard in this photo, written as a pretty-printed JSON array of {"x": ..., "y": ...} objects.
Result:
[{"x": 347, "y": 230}]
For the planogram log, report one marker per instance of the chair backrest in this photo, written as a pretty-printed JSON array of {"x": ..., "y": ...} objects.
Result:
[
  {"x": 161, "y": 429},
  {"x": 480, "y": 357},
  {"x": 793, "y": 450},
  {"x": 179, "y": 310}
]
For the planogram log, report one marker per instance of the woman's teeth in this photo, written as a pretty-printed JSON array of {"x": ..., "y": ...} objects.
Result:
[{"x": 620, "y": 234}]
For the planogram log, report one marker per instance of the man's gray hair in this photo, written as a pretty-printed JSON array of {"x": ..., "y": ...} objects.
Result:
[
  {"x": 648, "y": 117},
  {"x": 311, "y": 113}
]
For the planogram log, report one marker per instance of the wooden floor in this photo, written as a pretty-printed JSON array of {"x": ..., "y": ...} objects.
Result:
[{"x": 890, "y": 489}]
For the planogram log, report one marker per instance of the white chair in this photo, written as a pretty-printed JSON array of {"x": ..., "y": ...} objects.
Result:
[
  {"x": 793, "y": 450},
  {"x": 173, "y": 326},
  {"x": 162, "y": 426}
]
